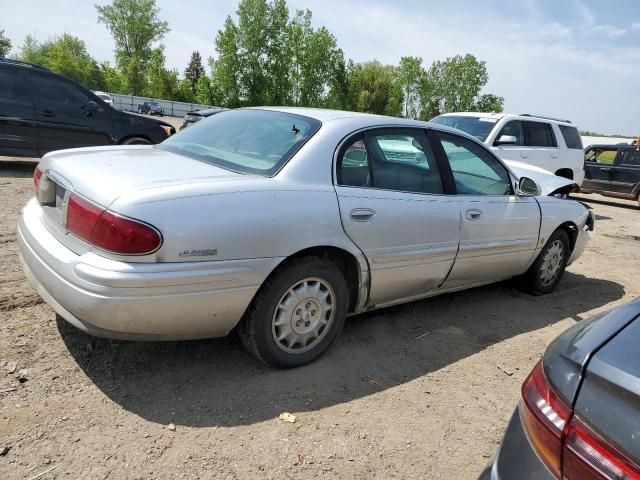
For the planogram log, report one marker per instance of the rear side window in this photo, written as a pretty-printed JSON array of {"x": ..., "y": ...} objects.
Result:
[
  {"x": 601, "y": 155},
  {"x": 11, "y": 86},
  {"x": 571, "y": 137},
  {"x": 392, "y": 160},
  {"x": 539, "y": 134},
  {"x": 50, "y": 90},
  {"x": 630, "y": 157}
]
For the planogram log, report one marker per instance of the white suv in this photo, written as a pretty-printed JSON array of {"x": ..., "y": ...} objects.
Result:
[{"x": 552, "y": 144}]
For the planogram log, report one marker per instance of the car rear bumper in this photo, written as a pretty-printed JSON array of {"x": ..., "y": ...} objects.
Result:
[
  {"x": 137, "y": 301},
  {"x": 516, "y": 459}
]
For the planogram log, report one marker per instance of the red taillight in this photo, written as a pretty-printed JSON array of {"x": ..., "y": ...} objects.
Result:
[
  {"x": 37, "y": 175},
  {"x": 587, "y": 456},
  {"x": 545, "y": 416},
  {"x": 109, "y": 231}
]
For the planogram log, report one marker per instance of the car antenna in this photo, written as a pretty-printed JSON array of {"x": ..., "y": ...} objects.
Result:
[{"x": 295, "y": 130}]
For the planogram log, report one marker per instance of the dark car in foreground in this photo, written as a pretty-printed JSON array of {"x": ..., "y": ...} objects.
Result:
[
  {"x": 579, "y": 413},
  {"x": 196, "y": 115},
  {"x": 150, "y": 108},
  {"x": 612, "y": 171},
  {"x": 41, "y": 111}
]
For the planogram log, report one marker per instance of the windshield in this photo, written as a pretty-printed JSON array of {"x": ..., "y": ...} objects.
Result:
[
  {"x": 245, "y": 141},
  {"x": 479, "y": 127}
]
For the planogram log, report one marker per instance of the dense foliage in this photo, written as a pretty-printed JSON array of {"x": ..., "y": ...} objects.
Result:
[{"x": 264, "y": 55}]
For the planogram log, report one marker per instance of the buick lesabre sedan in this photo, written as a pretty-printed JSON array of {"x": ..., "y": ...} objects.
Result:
[{"x": 280, "y": 222}]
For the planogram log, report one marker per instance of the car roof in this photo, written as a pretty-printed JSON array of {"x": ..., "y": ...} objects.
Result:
[
  {"x": 326, "y": 115},
  {"x": 205, "y": 112},
  {"x": 498, "y": 116}
]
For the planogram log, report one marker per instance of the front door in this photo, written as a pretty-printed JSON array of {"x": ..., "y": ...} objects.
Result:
[
  {"x": 394, "y": 208},
  {"x": 597, "y": 168},
  {"x": 63, "y": 114},
  {"x": 499, "y": 230}
]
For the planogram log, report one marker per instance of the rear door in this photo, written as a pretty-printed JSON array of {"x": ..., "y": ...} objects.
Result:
[
  {"x": 18, "y": 131},
  {"x": 393, "y": 205},
  {"x": 541, "y": 145},
  {"x": 63, "y": 114},
  {"x": 597, "y": 168},
  {"x": 625, "y": 173},
  {"x": 499, "y": 230}
]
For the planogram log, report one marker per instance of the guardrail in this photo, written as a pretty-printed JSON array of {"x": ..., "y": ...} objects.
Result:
[{"x": 129, "y": 103}]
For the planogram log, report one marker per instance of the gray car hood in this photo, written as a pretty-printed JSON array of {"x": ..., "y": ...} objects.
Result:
[{"x": 549, "y": 183}]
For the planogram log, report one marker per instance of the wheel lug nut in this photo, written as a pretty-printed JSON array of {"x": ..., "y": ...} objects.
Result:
[
  {"x": 313, "y": 312},
  {"x": 298, "y": 312},
  {"x": 306, "y": 324},
  {"x": 307, "y": 305}
]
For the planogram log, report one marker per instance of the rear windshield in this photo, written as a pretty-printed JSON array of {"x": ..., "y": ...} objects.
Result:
[
  {"x": 245, "y": 141},
  {"x": 479, "y": 127}
]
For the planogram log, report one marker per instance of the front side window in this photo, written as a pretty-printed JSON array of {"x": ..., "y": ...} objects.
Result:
[
  {"x": 513, "y": 129},
  {"x": 394, "y": 160},
  {"x": 245, "y": 140},
  {"x": 475, "y": 171},
  {"x": 539, "y": 134},
  {"x": 52, "y": 91},
  {"x": 571, "y": 137}
]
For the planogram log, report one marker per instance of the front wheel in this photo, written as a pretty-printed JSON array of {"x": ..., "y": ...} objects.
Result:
[
  {"x": 545, "y": 273},
  {"x": 297, "y": 314}
]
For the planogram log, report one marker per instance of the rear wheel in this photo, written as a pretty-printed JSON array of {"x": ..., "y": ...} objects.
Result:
[
  {"x": 545, "y": 273},
  {"x": 297, "y": 314},
  {"x": 135, "y": 141}
]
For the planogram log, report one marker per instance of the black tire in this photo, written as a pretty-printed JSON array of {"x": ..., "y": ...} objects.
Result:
[
  {"x": 135, "y": 141},
  {"x": 534, "y": 281},
  {"x": 257, "y": 330}
]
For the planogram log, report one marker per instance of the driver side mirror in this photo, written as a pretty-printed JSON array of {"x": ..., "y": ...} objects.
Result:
[
  {"x": 527, "y": 187},
  {"x": 506, "y": 140},
  {"x": 90, "y": 107}
]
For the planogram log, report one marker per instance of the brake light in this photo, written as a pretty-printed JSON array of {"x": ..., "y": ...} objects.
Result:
[
  {"x": 37, "y": 175},
  {"x": 545, "y": 416},
  {"x": 587, "y": 456},
  {"x": 109, "y": 231}
]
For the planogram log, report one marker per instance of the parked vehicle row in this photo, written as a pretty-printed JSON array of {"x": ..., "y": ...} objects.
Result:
[
  {"x": 41, "y": 111},
  {"x": 282, "y": 221}
]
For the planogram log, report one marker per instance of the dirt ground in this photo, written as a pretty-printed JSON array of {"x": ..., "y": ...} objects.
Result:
[{"x": 387, "y": 401}]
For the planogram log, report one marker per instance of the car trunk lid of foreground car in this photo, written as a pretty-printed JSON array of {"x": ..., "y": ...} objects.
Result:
[
  {"x": 77, "y": 187},
  {"x": 580, "y": 403}
]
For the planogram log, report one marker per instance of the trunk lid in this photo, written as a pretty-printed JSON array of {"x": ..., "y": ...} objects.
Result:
[{"x": 102, "y": 174}]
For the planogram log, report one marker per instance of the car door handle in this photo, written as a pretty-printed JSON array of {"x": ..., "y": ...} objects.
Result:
[
  {"x": 553, "y": 155},
  {"x": 605, "y": 169},
  {"x": 473, "y": 214},
  {"x": 362, "y": 214},
  {"x": 524, "y": 155},
  {"x": 48, "y": 113}
]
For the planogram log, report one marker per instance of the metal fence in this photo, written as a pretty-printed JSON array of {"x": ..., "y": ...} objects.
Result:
[{"x": 129, "y": 103}]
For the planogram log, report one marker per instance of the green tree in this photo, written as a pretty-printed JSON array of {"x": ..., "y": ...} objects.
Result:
[
  {"x": 410, "y": 76},
  {"x": 203, "y": 91},
  {"x": 488, "y": 103},
  {"x": 160, "y": 82},
  {"x": 66, "y": 55},
  {"x": 374, "y": 88},
  {"x": 194, "y": 70},
  {"x": 5, "y": 44},
  {"x": 113, "y": 81},
  {"x": 135, "y": 26},
  {"x": 226, "y": 72},
  {"x": 454, "y": 85}
]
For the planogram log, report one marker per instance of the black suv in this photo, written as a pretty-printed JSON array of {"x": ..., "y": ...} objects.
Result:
[
  {"x": 612, "y": 170},
  {"x": 41, "y": 111},
  {"x": 150, "y": 108}
]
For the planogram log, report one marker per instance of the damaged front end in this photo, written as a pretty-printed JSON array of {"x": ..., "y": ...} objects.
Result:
[{"x": 550, "y": 184}]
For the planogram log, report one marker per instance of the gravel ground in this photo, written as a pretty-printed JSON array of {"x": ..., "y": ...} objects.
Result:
[{"x": 387, "y": 401}]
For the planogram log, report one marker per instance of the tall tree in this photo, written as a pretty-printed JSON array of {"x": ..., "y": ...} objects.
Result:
[
  {"x": 454, "y": 85},
  {"x": 410, "y": 75},
  {"x": 194, "y": 70},
  {"x": 226, "y": 70},
  {"x": 374, "y": 88},
  {"x": 5, "y": 44},
  {"x": 135, "y": 26}
]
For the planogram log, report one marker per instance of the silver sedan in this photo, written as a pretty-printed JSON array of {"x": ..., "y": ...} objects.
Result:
[{"x": 280, "y": 222}]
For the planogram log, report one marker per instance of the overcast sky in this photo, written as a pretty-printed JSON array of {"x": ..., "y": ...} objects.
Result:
[{"x": 575, "y": 59}]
